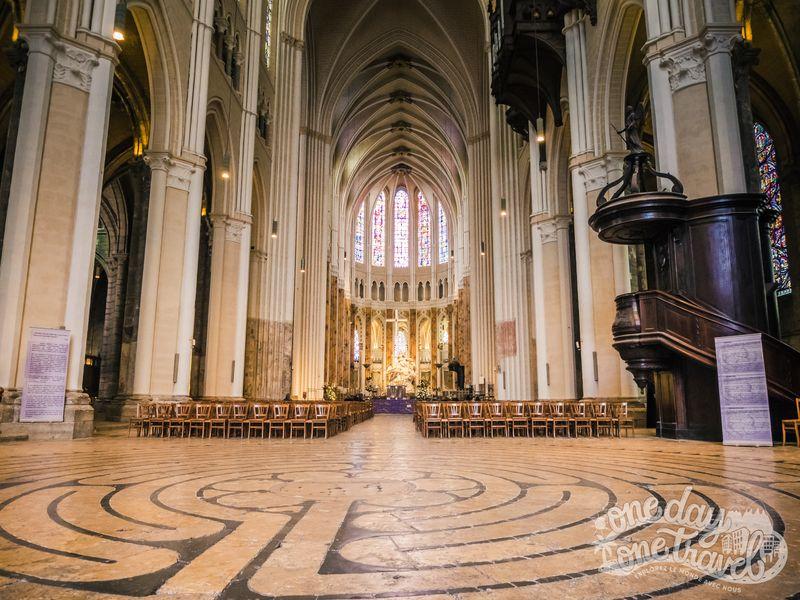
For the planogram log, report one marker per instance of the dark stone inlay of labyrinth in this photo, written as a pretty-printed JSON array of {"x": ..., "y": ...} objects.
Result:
[{"x": 374, "y": 513}]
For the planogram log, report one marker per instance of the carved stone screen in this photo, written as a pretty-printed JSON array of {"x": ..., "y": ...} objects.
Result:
[
  {"x": 743, "y": 398},
  {"x": 43, "y": 393}
]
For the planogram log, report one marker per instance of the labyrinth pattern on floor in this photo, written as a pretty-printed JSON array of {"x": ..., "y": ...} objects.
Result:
[{"x": 375, "y": 512}]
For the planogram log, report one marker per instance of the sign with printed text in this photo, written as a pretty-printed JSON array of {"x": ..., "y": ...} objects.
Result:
[
  {"x": 44, "y": 390},
  {"x": 743, "y": 396}
]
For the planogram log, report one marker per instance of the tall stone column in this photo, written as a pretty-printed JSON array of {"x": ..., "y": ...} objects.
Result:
[
  {"x": 224, "y": 372},
  {"x": 169, "y": 281},
  {"x": 552, "y": 297},
  {"x": 54, "y": 203},
  {"x": 282, "y": 214},
  {"x": 719, "y": 42},
  {"x": 313, "y": 248},
  {"x": 509, "y": 223},
  {"x": 256, "y": 373},
  {"x": 230, "y": 260},
  {"x": 484, "y": 366},
  {"x": 112, "y": 327},
  {"x": 170, "y": 226},
  {"x": 693, "y": 95},
  {"x": 582, "y": 146}
]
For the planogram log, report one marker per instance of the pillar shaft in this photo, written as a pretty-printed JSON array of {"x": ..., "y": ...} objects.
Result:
[{"x": 512, "y": 311}]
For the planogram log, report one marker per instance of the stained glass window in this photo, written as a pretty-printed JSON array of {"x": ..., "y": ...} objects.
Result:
[
  {"x": 770, "y": 186},
  {"x": 358, "y": 250},
  {"x": 401, "y": 218},
  {"x": 423, "y": 231},
  {"x": 378, "y": 225},
  {"x": 268, "y": 33},
  {"x": 444, "y": 243},
  {"x": 400, "y": 343},
  {"x": 356, "y": 346}
]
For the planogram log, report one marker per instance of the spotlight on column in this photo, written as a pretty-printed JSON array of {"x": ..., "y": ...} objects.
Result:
[
  {"x": 540, "y": 130},
  {"x": 345, "y": 255},
  {"x": 483, "y": 248},
  {"x": 225, "y": 173},
  {"x": 274, "y": 229},
  {"x": 503, "y": 207},
  {"x": 119, "y": 21},
  {"x": 302, "y": 265}
]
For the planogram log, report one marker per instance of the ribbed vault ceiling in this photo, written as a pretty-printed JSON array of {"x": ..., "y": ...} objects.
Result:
[{"x": 398, "y": 85}]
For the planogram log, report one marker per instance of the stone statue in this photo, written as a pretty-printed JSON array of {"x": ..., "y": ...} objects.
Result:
[{"x": 634, "y": 121}]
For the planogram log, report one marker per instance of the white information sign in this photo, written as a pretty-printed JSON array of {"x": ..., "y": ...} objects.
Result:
[
  {"x": 44, "y": 390},
  {"x": 743, "y": 396}
]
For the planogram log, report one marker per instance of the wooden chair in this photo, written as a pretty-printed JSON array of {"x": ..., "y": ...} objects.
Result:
[
  {"x": 277, "y": 422},
  {"x": 139, "y": 421},
  {"x": 516, "y": 418},
  {"x": 219, "y": 419},
  {"x": 157, "y": 423},
  {"x": 792, "y": 424},
  {"x": 299, "y": 419},
  {"x": 601, "y": 418},
  {"x": 497, "y": 418},
  {"x": 539, "y": 419},
  {"x": 432, "y": 418},
  {"x": 197, "y": 423},
  {"x": 559, "y": 419},
  {"x": 177, "y": 422},
  {"x": 580, "y": 419},
  {"x": 320, "y": 420},
  {"x": 454, "y": 418},
  {"x": 238, "y": 418},
  {"x": 620, "y": 420},
  {"x": 258, "y": 420},
  {"x": 475, "y": 419}
]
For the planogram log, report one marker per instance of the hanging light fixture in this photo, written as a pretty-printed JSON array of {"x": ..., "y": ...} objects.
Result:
[
  {"x": 274, "y": 229},
  {"x": 225, "y": 173},
  {"x": 539, "y": 119},
  {"x": 540, "y": 130},
  {"x": 503, "y": 207},
  {"x": 119, "y": 21}
]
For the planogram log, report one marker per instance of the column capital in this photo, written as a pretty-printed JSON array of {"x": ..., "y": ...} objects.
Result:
[
  {"x": 179, "y": 172},
  {"x": 258, "y": 255},
  {"x": 684, "y": 64},
  {"x": 594, "y": 172},
  {"x": 73, "y": 62},
  {"x": 293, "y": 42},
  {"x": 548, "y": 230},
  {"x": 720, "y": 39}
]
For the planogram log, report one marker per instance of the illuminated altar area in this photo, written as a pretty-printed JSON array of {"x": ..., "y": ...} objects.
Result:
[{"x": 404, "y": 312}]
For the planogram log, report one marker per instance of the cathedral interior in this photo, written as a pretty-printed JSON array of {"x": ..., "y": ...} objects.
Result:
[{"x": 398, "y": 298}]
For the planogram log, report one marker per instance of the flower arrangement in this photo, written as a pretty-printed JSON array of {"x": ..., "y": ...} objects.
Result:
[
  {"x": 423, "y": 391},
  {"x": 329, "y": 392}
]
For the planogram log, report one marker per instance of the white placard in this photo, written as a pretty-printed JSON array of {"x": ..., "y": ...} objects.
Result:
[
  {"x": 743, "y": 395},
  {"x": 44, "y": 390}
]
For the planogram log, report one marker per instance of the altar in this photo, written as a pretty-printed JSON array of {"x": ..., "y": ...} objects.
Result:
[{"x": 393, "y": 406}]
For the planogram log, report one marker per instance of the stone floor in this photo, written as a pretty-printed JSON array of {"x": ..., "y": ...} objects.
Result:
[{"x": 377, "y": 512}]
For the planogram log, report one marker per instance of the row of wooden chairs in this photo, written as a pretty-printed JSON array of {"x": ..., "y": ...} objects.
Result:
[
  {"x": 788, "y": 425},
  {"x": 487, "y": 419},
  {"x": 227, "y": 419}
]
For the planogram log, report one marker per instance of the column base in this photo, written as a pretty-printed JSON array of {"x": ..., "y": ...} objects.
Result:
[{"x": 78, "y": 420}]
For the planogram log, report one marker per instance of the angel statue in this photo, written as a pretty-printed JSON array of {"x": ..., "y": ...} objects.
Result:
[{"x": 634, "y": 121}]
